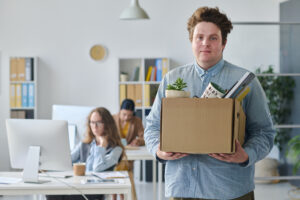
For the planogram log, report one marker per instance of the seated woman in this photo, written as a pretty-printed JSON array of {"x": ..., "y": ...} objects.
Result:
[
  {"x": 130, "y": 128},
  {"x": 101, "y": 149}
]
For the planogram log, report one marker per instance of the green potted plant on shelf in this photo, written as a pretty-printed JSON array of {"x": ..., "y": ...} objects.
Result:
[
  {"x": 176, "y": 89},
  {"x": 293, "y": 152}
]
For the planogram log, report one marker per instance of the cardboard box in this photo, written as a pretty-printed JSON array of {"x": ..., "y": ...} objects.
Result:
[{"x": 200, "y": 126}]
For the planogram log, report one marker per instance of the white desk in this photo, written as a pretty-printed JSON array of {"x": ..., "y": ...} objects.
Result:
[
  {"x": 142, "y": 154},
  {"x": 56, "y": 187}
]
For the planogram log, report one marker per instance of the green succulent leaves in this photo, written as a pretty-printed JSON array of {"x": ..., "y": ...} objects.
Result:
[{"x": 178, "y": 85}]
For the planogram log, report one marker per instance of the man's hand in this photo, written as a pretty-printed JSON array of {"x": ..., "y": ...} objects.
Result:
[
  {"x": 169, "y": 155},
  {"x": 239, "y": 156}
]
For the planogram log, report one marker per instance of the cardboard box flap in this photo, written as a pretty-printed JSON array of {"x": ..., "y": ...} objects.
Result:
[{"x": 196, "y": 125}]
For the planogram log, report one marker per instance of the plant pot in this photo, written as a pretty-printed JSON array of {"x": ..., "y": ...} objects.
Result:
[{"x": 177, "y": 94}]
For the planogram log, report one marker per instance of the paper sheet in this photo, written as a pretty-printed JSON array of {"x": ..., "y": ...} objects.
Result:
[
  {"x": 111, "y": 174},
  {"x": 9, "y": 180}
]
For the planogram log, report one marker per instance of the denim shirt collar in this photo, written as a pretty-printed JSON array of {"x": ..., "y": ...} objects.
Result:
[{"x": 212, "y": 71}]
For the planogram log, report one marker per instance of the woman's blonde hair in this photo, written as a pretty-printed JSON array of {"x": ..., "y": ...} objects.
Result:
[{"x": 110, "y": 129}]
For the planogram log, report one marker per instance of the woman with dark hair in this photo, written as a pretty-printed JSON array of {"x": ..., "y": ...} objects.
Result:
[
  {"x": 101, "y": 148},
  {"x": 129, "y": 126}
]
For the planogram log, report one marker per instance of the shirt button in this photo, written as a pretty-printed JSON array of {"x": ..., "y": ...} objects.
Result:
[{"x": 194, "y": 168}]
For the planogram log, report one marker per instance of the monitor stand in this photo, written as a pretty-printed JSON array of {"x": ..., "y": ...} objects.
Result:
[{"x": 31, "y": 169}]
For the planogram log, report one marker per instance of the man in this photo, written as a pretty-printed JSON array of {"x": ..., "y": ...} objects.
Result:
[{"x": 212, "y": 176}]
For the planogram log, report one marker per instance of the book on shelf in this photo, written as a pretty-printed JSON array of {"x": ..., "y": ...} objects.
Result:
[
  {"x": 153, "y": 91},
  {"x": 158, "y": 64},
  {"x": 18, "y": 95},
  {"x": 20, "y": 69},
  {"x": 122, "y": 92},
  {"x": 130, "y": 92},
  {"x": 147, "y": 95},
  {"x": 135, "y": 74},
  {"x": 31, "y": 95},
  {"x": 164, "y": 67},
  {"x": 12, "y": 95},
  {"x": 239, "y": 85},
  {"x": 13, "y": 69},
  {"x": 29, "y": 69},
  {"x": 24, "y": 95},
  {"x": 138, "y": 95},
  {"x": 148, "y": 76},
  {"x": 134, "y": 92},
  {"x": 141, "y": 74},
  {"x": 153, "y": 74}
]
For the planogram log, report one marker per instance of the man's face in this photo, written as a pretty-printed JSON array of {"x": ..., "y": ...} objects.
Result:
[{"x": 207, "y": 44}]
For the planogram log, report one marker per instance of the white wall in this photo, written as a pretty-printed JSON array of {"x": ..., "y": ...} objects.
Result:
[{"x": 61, "y": 33}]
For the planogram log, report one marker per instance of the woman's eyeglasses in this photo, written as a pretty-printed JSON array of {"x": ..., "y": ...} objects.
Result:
[{"x": 97, "y": 123}]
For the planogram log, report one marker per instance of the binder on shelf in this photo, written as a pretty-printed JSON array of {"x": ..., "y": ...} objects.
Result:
[
  {"x": 141, "y": 77},
  {"x": 153, "y": 74},
  {"x": 148, "y": 76},
  {"x": 21, "y": 69},
  {"x": 31, "y": 95},
  {"x": 24, "y": 95},
  {"x": 138, "y": 95},
  {"x": 153, "y": 91},
  {"x": 135, "y": 74},
  {"x": 240, "y": 85},
  {"x": 164, "y": 67},
  {"x": 147, "y": 95},
  {"x": 158, "y": 64},
  {"x": 18, "y": 95},
  {"x": 122, "y": 92},
  {"x": 13, "y": 69},
  {"x": 12, "y": 95},
  {"x": 131, "y": 92},
  {"x": 29, "y": 69}
]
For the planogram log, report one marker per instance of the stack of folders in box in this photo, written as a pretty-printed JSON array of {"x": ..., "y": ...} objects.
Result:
[{"x": 240, "y": 89}]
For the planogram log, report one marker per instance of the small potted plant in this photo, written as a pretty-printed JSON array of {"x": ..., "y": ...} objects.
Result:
[{"x": 176, "y": 89}]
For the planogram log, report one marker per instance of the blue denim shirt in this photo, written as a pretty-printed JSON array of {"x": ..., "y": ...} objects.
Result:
[{"x": 199, "y": 175}]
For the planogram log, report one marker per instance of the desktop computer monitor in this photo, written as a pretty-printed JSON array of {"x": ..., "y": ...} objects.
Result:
[{"x": 38, "y": 145}]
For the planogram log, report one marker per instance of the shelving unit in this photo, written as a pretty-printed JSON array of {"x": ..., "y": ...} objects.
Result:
[
  {"x": 23, "y": 87},
  {"x": 139, "y": 80}
]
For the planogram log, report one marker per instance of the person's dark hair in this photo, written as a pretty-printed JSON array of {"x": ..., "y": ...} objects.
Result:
[
  {"x": 213, "y": 15},
  {"x": 127, "y": 104}
]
